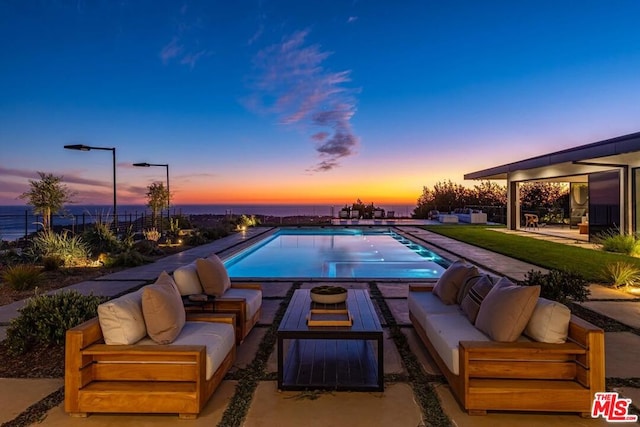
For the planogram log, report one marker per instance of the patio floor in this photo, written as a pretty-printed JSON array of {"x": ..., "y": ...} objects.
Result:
[{"x": 398, "y": 405}]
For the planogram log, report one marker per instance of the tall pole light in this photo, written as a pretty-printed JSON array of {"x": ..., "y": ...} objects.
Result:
[
  {"x": 82, "y": 147},
  {"x": 146, "y": 165}
]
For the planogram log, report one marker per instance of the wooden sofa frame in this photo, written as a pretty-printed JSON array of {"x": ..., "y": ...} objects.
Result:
[
  {"x": 237, "y": 306},
  {"x": 526, "y": 376},
  {"x": 138, "y": 378}
]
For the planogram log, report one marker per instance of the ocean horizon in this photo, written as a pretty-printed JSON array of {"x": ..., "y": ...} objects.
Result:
[{"x": 16, "y": 220}]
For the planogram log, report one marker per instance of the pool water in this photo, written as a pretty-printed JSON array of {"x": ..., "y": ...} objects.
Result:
[{"x": 336, "y": 253}]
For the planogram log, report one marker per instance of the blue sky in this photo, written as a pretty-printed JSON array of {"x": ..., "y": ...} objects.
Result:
[{"x": 304, "y": 101}]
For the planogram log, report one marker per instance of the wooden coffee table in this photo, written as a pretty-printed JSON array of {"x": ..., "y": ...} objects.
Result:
[
  {"x": 331, "y": 357},
  {"x": 583, "y": 228}
]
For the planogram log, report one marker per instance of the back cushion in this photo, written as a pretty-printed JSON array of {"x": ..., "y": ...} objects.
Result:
[
  {"x": 473, "y": 299},
  {"x": 121, "y": 319},
  {"x": 163, "y": 310},
  {"x": 213, "y": 275},
  {"x": 506, "y": 310},
  {"x": 549, "y": 322},
  {"x": 451, "y": 281},
  {"x": 187, "y": 280}
]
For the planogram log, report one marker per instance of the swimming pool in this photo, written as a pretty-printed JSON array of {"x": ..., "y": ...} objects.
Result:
[{"x": 336, "y": 253}]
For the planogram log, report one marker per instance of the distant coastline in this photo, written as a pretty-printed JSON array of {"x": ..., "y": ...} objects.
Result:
[{"x": 15, "y": 219}]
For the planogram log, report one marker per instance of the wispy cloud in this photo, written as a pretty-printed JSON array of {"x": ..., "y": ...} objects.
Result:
[
  {"x": 6, "y": 172},
  {"x": 293, "y": 84},
  {"x": 352, "y": 19},
  {"x": 256, "y": 35},
  {"x": 73, "y": 179},
  {"x": 170, "y": 51},
  {"x": 190, "y": 59},
  {"x": 184, "y": 47}
]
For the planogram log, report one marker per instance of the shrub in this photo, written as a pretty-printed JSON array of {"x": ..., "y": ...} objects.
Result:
[
  {"x": 621, "y": 274},
  {"x": 128, "y": 238},
  {"x": 244, "y": 222},
  {"x": 196, "y": 239},
  {"x": 128, "y": 258},
  {"x": 72, "y": 249},
  {"x": 147, "y": 247},
  {"x": 216, "y": 233},
  {"x": 52, "y": 263},
  {"x": 151, "y": 234},
  {"x": 174, "y": 230},
  {"x": 619, "y": 242},
  {"x": 558, "y": 285},
  {"x": 11, "y": 256},
  {"x": 22, "y": 277},
  {"x": 101, "y": 238},
  {"x": 45, "y": 319}
]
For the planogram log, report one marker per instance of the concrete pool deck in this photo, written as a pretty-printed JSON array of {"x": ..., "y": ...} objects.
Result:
[{"x": 397, "y": 405}]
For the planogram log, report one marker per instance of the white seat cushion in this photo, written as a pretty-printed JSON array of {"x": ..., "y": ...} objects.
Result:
[
  {"x": 422, "y": 304},
  {"x": 445, "y": 331},
  {"x": 121, "y": 319},
  {"x": 253, "y": 297},
  {"x": 187, "y": 281},
  {"x": 219, "y": 339}
]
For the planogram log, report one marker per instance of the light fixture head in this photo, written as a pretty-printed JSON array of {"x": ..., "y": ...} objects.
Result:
[
  {"x": 80, "y": 147},
  {"x": 142, "y": 165}
]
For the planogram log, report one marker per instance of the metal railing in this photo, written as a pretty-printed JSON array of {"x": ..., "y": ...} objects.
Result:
[{"x": 19, "y": 226}]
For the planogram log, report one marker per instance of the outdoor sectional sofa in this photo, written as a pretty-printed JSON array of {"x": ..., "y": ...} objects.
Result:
[
  {"x": 144, "y": 354},
  {"x": 470, "y": 216},
  {"x": 546, "y": 360}
]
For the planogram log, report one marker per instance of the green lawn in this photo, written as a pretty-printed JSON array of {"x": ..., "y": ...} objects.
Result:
[{"x": 586, "y": 262}]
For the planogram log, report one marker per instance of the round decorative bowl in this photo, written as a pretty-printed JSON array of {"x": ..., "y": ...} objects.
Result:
[{"x": 328, "y": 294}]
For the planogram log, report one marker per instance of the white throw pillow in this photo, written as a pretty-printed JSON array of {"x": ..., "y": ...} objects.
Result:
[
  {"x": 549, "y": 322},
  {"x": 186, "y": 279},
  {"x": 121, "y": 319}
]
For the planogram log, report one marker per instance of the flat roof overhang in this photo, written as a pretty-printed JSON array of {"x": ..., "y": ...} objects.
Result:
[{"x": 608, "y": 152}]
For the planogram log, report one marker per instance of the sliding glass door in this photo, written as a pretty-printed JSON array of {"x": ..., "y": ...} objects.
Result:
[{"x": 604, "y": 202}]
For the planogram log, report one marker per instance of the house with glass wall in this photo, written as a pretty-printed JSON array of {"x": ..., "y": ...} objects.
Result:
[{"x": 603, "y": 178}]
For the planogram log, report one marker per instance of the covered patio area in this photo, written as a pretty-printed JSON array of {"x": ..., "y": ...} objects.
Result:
[{"x": 604, "y": 188}]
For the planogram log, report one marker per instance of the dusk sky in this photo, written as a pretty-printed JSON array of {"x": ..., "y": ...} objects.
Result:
[{"x": 314, "y": 101}]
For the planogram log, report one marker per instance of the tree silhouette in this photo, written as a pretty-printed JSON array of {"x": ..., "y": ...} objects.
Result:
[
  {"x": 157, "y": 199},
  {"x": 47, "y": 196}
]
